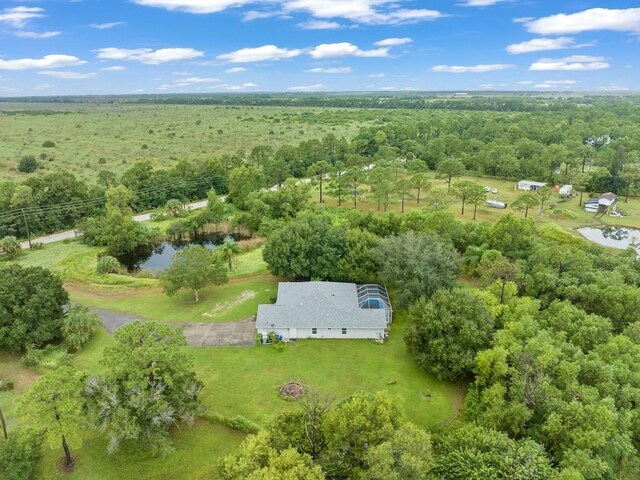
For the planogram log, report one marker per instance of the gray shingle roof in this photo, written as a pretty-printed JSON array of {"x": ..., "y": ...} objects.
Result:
[{"x": 318, "y": 305}]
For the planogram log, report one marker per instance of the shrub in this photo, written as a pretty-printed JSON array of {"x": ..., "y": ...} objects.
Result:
[
  {"x": 109, "y": 264},
  {"x": 78, "y": 326},
  {"x": 6, "y": 386},
  {"x": 145, "y": 146},
  {"x": 48, "y": 144},
  {"x": 19, "y": 455},
  {"x": 237, "y": 422},
  {"x": 33, "y": 357},
  {"x": 27, "y": 164},
  {"x": 10, "y": 247}
]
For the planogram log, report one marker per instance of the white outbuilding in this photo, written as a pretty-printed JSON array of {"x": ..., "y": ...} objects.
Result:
[
  {"x": 326, "y": 310},
  {"x": 566, "y": 191},
  {"x": 528, "y": 185}
]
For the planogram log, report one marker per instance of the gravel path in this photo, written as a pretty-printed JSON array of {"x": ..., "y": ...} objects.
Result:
[{"x": 198, "y": 334}]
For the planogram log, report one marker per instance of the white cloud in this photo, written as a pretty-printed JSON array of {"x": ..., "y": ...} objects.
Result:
[
  {"x": 481, "y": 3},
  {"x": 393, "y": 42},
  {"x": 106, "y": 26},
  {"x": 25, "y": 34},
  {"x": 622, "y": 20},
  {"x": 236, "y": 70},
  {"x": 541, "y": 44},
  {"x": 526, "y": 82},
  {"x": 318, "y": 87},
  {"x": 149, "y": 56},
  {"x": 343, "y": 49},
  {"x": 388, "y": 12},
  {"x": 573, "y": 63},
  {"x": 255, "y": 15},
  {"x": 194, "y": 6},
  {"x": 330, "y": 70},
  {"x": 240, "y": 87},
  {"x": 259, "y": 54},
  {"x": 47, "y": 62},
  {"x": 115, "y": 68},
  {"x": 43, "y": 86},
  {"x": 18, "y": 17},
  {"x": 67, "y": 75},
  {"x": 472, "y": 68},
  {"x": 183, "y": 82},
  {"x": 320, "y": 25},
  {"x": 557, "y": 84},
  {"x": 377, "y": 75},
  {"x": 379, "y": 12}
]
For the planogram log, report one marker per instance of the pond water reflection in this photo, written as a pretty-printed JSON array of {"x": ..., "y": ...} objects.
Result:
[{"x": 158, "y": 259}]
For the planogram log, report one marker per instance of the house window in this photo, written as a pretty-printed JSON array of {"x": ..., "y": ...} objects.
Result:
[
  {"x": 314, "y": 331},
  {"x": 344, "y": 331}
]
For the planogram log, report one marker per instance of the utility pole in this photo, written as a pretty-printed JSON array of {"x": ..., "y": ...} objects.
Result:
[
  {"x": 26, "y": 225},
  {"x": 4, "y": 425}
]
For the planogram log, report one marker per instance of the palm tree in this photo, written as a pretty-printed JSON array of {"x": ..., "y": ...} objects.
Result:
[{"x": 229, "y": 251}]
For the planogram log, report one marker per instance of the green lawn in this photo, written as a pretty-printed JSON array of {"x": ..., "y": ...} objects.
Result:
[
  {"x": 198, "y": 451},
  {"x": 234, "y": 301},
  {"x": 570, "y": 216}
]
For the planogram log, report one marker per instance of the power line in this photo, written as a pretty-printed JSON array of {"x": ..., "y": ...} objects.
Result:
[{"x": 44, "y": 209}]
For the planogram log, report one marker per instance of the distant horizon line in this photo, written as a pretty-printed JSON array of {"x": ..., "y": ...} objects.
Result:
[{"x": 334, "y": 92}]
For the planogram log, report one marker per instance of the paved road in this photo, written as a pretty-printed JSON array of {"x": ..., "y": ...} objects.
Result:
[{"x": 71, "y": 234}]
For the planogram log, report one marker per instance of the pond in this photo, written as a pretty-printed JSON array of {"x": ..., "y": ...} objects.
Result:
[
  {"x": 159, "y": 258},
  {"x": 615, "y": 237}
]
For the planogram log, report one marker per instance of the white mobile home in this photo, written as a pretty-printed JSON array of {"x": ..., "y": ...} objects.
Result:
[
  {"x": 528, "y": 185},
  {"x": 326, "y": 310}
]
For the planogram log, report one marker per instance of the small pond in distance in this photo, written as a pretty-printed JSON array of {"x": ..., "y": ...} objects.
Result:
[
  {"x": 615, "y": 237},
  {"x": 159, "y": 258}
]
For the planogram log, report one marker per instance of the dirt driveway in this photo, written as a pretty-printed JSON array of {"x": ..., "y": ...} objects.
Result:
[{"x": 242, "y": 333}]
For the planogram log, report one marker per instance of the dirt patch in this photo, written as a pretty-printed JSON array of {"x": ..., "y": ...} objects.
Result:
[
  {"x": 228, "y": 334},
  {"x": 292, "y": 391},
  {"x": 222, "y": 306}
]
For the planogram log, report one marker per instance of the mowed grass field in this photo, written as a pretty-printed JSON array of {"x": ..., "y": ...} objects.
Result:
[
  {"x": 93, "y": 137},
  {"x": 566, "y": 213},
  {"x": 244, "y": 381}
]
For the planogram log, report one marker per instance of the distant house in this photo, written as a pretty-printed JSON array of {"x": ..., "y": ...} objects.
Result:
[
  {"x": 529, "y": 186},
  {"x": 326, "y": 310},
  {"x": 606, "y": 203}
]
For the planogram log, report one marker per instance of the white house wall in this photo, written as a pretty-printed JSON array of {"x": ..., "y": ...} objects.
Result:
[{"x": 352, "y": 333}]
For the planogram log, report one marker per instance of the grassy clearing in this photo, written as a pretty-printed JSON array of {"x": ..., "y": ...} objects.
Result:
[
  {"x": 234, "y": 301},
  {"x": 198, "y": 451},
  {"x": 570, "y": 216},
  {"x": 89, "y": 138},
  {"x": 245, "y": 380}
]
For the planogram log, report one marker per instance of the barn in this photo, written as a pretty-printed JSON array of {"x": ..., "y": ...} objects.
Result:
[{"x": 326, "y": 310}]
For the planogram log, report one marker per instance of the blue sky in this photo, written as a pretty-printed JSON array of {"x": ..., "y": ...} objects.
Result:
[{"x": 64, "y": 47}]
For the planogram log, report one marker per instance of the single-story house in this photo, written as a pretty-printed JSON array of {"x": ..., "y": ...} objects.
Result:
[
  {"x": 326, "y": 310},
  {"x": 566, "y": 191},
  {"x": 529, "y": 185},
  {"x": 606, "y": 203}
]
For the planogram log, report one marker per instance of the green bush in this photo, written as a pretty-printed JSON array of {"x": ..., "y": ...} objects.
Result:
[
  {"x": 28, "y": 164},
  {"x": 237, "y": 422},
  {"x": 6, "y": 386},
  {"x": 19, "y": 455},
  {"x": 48, "y": 144},
  {"x": 33, "y": 357},
  {"x": 109, "y": 264},
  {"x": 10, "y": 247},
  {"x": 78, "y": 326}
]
